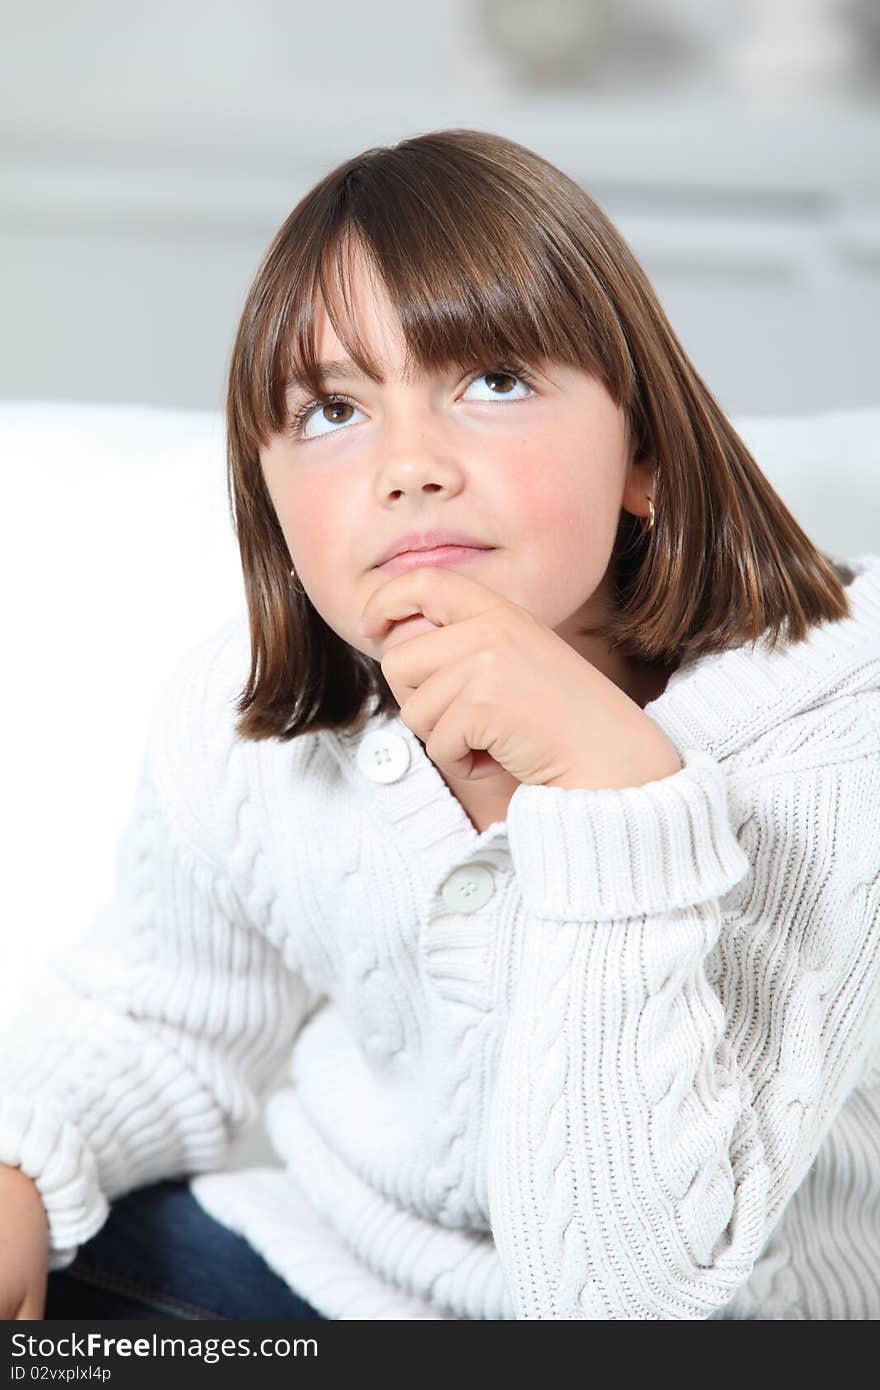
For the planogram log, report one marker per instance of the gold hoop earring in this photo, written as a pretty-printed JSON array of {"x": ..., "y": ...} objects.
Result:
[
  {"x": 651, "y": 522},
  {"x": 296, "y": 587}
]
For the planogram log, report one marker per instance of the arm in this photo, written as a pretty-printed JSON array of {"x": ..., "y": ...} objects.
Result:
[
  {"x": 675, "y": 1056},
  {"x": 144, "y": 1049}
]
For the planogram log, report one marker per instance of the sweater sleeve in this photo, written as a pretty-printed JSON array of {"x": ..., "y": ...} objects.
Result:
[
  {"x": 144, "y": 1048},
  {"x": 677, "y": 1051}
]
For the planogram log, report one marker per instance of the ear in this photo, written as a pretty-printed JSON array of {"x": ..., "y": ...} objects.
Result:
[{"x": 639, "y": 487}]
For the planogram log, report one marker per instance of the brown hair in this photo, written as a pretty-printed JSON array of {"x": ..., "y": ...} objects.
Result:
[{"x": 490, "y": 254}]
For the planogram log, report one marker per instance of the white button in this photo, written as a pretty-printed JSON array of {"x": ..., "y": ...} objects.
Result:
[
  {"x": 383, "y": 756},
  {"x": 468, "y": 888}
]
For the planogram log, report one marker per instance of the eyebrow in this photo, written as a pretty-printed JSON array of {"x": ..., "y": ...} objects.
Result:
[
  {"x": 327, "y": 371},
  {"x": 340, "y": 369}
]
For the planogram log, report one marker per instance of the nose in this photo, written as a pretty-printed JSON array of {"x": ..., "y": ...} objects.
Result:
[{"x": 417, "y": 461}]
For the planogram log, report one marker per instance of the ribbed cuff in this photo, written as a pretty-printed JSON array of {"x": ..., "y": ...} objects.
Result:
[
  {"x": 597, "y": 855},
  {"x": 38, "y": 1138}
]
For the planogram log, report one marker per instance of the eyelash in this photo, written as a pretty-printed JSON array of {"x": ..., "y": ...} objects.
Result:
[{"x": 300, "y": 416}]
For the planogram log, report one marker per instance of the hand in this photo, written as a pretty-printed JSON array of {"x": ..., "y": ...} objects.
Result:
[
  {"x": 493, "y": 687},
  {"x": 24, "y": 1245}
]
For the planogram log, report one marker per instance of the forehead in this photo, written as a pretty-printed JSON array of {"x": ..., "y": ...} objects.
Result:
[
  {"x": 368, "y": 314},
  {"x": 368, "y": 309}
]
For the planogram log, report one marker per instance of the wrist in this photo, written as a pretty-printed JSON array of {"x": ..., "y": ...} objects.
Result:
[
  {"x": 14, "y": 1180},
  {"x": 631, "y": 769}
]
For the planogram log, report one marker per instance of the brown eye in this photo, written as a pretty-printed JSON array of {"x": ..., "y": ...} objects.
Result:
[
  {"x": 500, "y": 389},
  {"x": 500, "y": 376},
  {"x": 327, "y": 410}
]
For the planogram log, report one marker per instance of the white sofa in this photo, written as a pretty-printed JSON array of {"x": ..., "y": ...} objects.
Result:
[{"x": 118, "y": 555}]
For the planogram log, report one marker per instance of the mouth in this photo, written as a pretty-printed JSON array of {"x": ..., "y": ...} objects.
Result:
[{"x": 437, "y": 555}]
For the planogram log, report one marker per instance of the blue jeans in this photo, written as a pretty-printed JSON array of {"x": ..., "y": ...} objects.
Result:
[{"x": 160, "y": 1255}]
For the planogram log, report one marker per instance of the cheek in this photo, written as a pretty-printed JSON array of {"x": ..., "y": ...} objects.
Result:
[
  {"x": 322, "y": 537},
  {"x": 315, "y": 532},
  {"x": 318, "y": 542},
  {"x": 565, "y": 522},
  {"x": 560, "y": 503}
]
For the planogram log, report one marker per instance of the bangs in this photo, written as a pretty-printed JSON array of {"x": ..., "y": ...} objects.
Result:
[{"x": 471, "y": 278}]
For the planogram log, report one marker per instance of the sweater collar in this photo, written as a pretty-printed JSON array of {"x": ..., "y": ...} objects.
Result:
[{"x": 723, "y": 701}]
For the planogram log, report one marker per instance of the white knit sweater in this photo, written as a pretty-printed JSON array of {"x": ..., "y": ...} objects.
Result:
[{"x": 616, "y": 1057}]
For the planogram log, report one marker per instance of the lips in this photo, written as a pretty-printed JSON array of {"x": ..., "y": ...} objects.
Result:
[
  {"x": 429, "y": 540},
  {"x": 438, "y": 555}
]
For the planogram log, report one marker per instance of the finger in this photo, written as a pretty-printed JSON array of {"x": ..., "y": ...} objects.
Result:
[
  {"x": 456, "y": 740},
  {"x": 425, "y": 705},
  {"x": 408, "y": 665},
  {"x": 441, "y": 595}
]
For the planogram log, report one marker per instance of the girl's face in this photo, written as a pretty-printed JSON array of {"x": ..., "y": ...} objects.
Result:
[{"x": 536, "y": 471}]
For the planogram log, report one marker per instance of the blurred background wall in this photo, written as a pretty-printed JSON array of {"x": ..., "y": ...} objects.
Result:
[{"x": 149, "y": 152}]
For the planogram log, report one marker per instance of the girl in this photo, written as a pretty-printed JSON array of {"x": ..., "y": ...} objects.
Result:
[{"x": 554, "y": 880}]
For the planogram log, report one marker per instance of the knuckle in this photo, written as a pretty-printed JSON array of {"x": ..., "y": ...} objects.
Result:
[
  {"x": 410, "y": 715},
  {"x": 484, "y": 678},
  {"x": 482, "y": 702}
]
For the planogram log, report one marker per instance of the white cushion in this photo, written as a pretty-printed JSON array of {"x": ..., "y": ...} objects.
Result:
[{"x": 826, "y": 469}]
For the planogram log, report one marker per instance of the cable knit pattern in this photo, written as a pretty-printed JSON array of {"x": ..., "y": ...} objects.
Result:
[{"x": 617, "y": 1056}]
